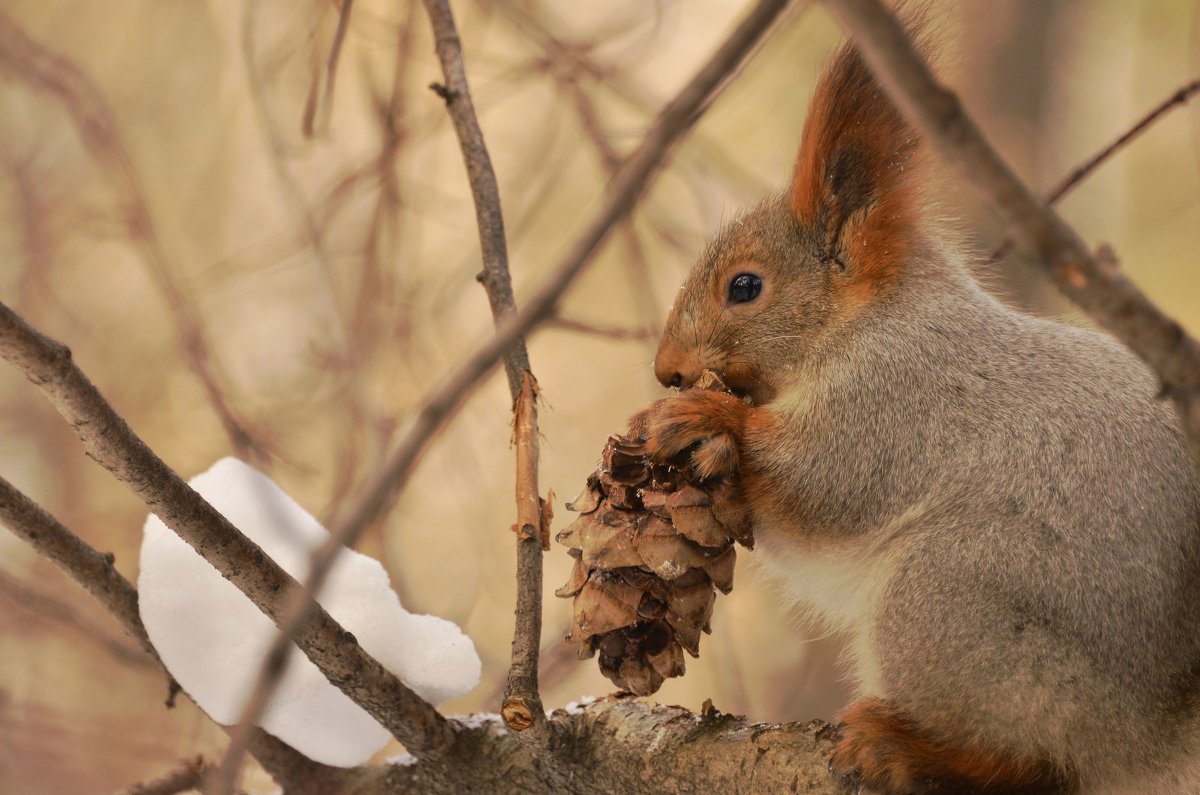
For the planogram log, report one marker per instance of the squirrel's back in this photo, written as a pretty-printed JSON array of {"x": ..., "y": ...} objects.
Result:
[{"x": 1025, "y": 507}]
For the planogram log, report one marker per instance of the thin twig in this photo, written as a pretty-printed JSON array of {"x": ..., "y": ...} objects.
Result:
[
  {"x": 522, "y": 709},
  {"x": 1094, "y": 283},
  {"x": 98, "y": 130},
  {"x": 578, "y": 58},
  {"x": 56, "y": 609},
  {"x": 331, "y": 69},
  {"x": 323, "y": 270},
  {"x": 637, "y": 267},
  {"x": 485, "y": 193},
  {"x": 1082, "y": 171},
  {"x": 609, "y": 332},
  {"x": 108, "y": 439}
]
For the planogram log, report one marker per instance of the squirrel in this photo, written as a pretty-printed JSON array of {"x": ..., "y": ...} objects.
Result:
[{"x": 997, "y": 509}]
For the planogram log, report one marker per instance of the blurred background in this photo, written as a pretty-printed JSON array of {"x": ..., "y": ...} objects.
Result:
[{"x": 250, "y": 258}]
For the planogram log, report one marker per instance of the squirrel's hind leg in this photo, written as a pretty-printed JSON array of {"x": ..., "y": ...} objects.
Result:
[{"x": 889, "y": 754}]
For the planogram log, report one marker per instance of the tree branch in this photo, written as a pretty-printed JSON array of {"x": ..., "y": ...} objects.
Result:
[
  {"x": 42, "y": 604},
  {"x": 92, "y": 570},
  {"x": 609, "y": 332},
  {"x": 522, "y": 708},
  {"x": 331, "y": 70},
  {"x": 109, "y": 440},
  {"x": 1094, "y": 283},
  {"x": 616, "y": 746}
]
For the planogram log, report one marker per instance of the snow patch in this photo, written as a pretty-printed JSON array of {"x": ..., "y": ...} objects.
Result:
[
  {"x": 477, "y": 720},
  {"x": 212, "y": 638},
  {"x": 401, "y": 760},
  {"x": 577, "y": 707}
]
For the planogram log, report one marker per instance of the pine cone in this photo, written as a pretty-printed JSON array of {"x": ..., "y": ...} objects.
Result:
[{"x": 650, "y": 545}]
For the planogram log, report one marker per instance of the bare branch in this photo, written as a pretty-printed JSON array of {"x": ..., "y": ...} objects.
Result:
[
  {"x": 1094, "y": 283},
  {"x": 678, "y": 116},
  {"x": 610, "y": 161},
  {"x": 522, "y": 708},
  {"x": 485, "y": 193},
  {"x": 499, "y": 288},
  {"x": 298, "y": 206},
  {"x": 92, "y": 570},
  {"x": 1082, "y": 171},
  {"x": 56, "y": 609},
  {"x": 610, "y": 332},
  {"x": 109, "y": 440},
  {"x": 331, "y": 69}
]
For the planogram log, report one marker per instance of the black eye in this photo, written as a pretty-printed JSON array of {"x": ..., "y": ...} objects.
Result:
[{"x": 744, "y": 287}]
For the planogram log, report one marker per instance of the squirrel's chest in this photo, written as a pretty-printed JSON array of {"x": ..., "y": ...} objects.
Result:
[{"x": 843, "y": 586}]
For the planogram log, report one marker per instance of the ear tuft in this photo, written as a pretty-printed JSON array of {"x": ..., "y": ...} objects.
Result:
[{"x": 856, "y": 177}]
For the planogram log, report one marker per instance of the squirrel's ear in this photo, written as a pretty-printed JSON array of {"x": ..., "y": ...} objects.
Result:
[{"x": 856, "y": 176}]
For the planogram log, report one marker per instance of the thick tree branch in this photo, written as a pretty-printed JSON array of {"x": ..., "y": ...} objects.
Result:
[
  {"x": 110, "y": 441},
  {"x": 1093, "y": 282},
  {"x": 618, "y": 746}
]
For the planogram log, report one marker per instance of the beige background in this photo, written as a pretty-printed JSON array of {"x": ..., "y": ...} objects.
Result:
[{"x": 333, "y": 278}]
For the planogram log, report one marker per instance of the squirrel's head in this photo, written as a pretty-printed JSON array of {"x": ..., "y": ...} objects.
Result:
[{"x": 771, "y": 284}]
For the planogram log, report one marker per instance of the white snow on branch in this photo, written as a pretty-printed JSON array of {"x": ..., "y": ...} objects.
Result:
[
  {"x": 213, "y": 639},
  {"x": 580, "y": 706}
]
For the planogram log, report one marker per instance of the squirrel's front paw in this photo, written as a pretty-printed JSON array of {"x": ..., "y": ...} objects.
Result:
[{"x": 712, "y": 422}]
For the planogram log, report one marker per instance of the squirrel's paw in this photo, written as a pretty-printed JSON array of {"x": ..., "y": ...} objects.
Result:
[
  {"x": 713, "y": 423},
  {"x": 887, "y": 753}
]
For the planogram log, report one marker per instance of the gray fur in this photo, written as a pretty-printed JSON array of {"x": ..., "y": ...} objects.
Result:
[{"x": 1030, "y": 497}]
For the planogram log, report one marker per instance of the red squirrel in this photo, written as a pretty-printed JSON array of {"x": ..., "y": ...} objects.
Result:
[{"x": 996, "y": 508}]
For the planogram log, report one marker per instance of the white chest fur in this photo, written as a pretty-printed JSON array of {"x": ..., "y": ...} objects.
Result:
[{"x": 841, "y": 585}]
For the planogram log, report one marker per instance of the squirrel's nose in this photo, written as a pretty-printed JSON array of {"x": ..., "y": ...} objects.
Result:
[{"x": 676, "y": 368}]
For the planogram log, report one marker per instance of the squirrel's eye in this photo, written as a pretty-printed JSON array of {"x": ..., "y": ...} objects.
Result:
[{"x": 744, "y": 287}]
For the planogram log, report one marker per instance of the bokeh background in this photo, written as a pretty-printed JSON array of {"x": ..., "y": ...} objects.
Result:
[{"x": 250, "y": 260}]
